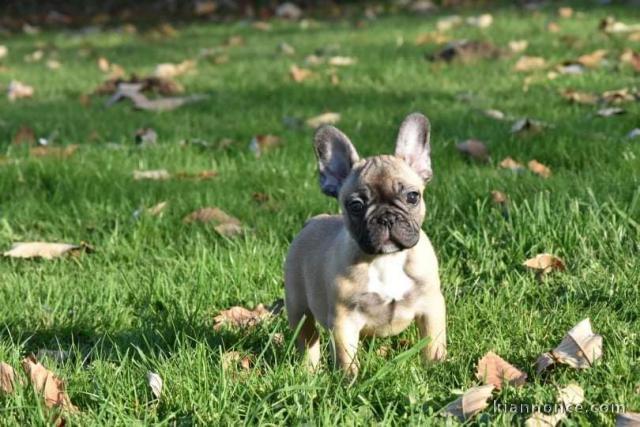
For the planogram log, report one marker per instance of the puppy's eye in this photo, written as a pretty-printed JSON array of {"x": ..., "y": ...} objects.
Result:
[
  {"x": 413, "y": 197},
  {"x": 356, "y": 207}
]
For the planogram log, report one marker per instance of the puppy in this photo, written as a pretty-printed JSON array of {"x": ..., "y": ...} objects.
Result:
[{"x": 371, "y": 270}]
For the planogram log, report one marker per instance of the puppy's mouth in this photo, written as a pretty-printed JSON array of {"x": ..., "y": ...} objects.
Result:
[{"x": 386, "y": 240}]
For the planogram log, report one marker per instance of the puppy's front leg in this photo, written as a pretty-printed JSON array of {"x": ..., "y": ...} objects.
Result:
[
  {"x": 346, "y": 334},
  {"x": 432, "y": 324}
]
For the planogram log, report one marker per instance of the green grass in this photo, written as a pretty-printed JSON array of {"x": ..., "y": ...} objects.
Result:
[{"x": 145, "y": 300}]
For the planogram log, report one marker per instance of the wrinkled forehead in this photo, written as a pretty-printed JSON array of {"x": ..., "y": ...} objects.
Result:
[{"x": 384, "y": 175}]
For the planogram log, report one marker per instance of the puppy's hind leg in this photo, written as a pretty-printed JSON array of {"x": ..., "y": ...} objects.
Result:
[{"x": 308, "y": 339}]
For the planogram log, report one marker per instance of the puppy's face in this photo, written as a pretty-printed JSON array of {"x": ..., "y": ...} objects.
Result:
[
  {"x": 382, "y": 204},
  {"x": 381, "y": 196}
]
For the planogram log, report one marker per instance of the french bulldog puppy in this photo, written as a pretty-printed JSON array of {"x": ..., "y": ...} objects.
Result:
[{"x": 371, "y": 270}]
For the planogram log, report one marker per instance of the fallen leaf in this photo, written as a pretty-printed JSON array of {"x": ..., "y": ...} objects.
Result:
[
  {"x": 432, "y": 37},
  {"x": 18, "y": 90},
  {"x": 234, "y": 41},
  {"x": 261, "y": 26},
  {"x": 47, "y": 384},
  {"x": 53, "y": 64},
  {"x": 299, "y": 74},
  {"x": 25, "y": 135},
  {"x": 527, "y": 126},
  {"x": 470, "y": 403},
  {"x": 204, "y": 7},
  {"x": 565, "y": 12},
  {"x": 611, "y": 111},
  {"x": 328, "y": 118},
  {"x": 539, "y": 169},
  {"x": 579, "y": 97},
  {"x": 155, "y": 383},
  {"x": 448, "y": 22},
  {"x": 149, "y": 84},
  {"x": 465, "y": 51},
  {"x": 618, "y": 96},
  {"x": 169, "y": 70},
  {"x": 261, "y": 144},
  {"x": 240, "y": 317},
  {"x": 570, "y": 396},
  {"x": 494, "y": 114},
  {"x": 35, "y": 56},
  {"x": 610, "y": 26},
  {"x": 157, "y": 209},
  {"x": 198, "y": 176},
  {"x": 580, "y": 348},
  {"x": 225, "y": 224},
  {"x": 540, "y": 419},
  {"x": 341, "y": 61},
  {"x": 383, "y": 351},
  {"x": 231, "y": 360},
  {"x": 49, "y": 151},
  {"x": 288, "y": 10},
  {"x": 153, "y": 175},
  {"x": 7, "y": 378},
  {"x": 632, "y": 58},
  {"x": 481, "y": 21},
  {"x": 628, "y": 419},
  {"x": 474, "y": 149},
  {"x": 544, "y": 361},
  {"x": 44, "y": 250},
  {"x": 498, "y": 197},
  {"x": 494, "y": 370},
  {"x": 553, "y": 27},
  {"x": 4, "y": 51},
  {"x": 530, "y": 63},
  {"x": 517, "y": 46},
  {"x": 573, "y": 68},
  {"x": 509, "y": 163},
  {"x": 286, "y": 49},
  {"x": 545, "y": 263},
  {"x": 633, "y": 134},
  {"x": 593, "y": 59},
  {"x": 146, "y": 136}
]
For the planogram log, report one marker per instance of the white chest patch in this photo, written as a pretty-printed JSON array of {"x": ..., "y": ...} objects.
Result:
[{"x": 387, "y": 277}]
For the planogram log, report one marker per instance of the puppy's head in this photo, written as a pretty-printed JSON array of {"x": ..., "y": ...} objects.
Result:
[{"x": 380, "y": 196}]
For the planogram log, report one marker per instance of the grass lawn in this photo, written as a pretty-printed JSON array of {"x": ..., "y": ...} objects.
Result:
[{"x": 145, "y": 300}]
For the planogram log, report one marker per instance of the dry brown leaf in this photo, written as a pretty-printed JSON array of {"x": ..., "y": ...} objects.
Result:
[
  {"x": 261, "y": 26},
  {"x": 539, "y": 169},
  {"x": 155, "y": 383},
  {"x": 509, "y": 163},
  {"x": 628, "y": 419},
  {"x": 229, "y": 229},
  {"x": 530, "y": 63},
  {"x": 44, "y": 250},
  {"x": 579, "y": 97},
  {"x": 632, "y": 58},
  {"x": 53, "y": 64},
  {"x": 611, "y": 111},
  {"x": 570, "y": 396},
  {"x": 527, "y": 126},
  {"x": 580, "y": 348},
  {"x": 25, "y": 135},
  {"x": 49, "y": 151},
  {"x": 261, "y": 144},
  {"x": 610, "y": 26},
  {"x": 540, "y": 419},
  {"x": 210, "y": 214},
  {"x": 7, "y": 378},
  {"x": 234, "y": 41},
  {"x": 157, "y": 209},
  {"x": 470, "y": 403},
  {"x": 199, "y": 176},
  {"x": 544, "y": 362},
  {"x": 47, "y": 384},
  {"x": 448, "y": 22},
  {"x": 553, "y": 27},
  {"x": 498, "y": 197},
  {"x": 169, "y": 70},
  {"x": 494, "y": 114},
  {"x": 517, "y": 46},
  {"x": 474, "y": 149},
  {"x": 465, "y": 51},
  {"x": 565, "y": 12},
  {"x": 618, "y": 96},
  {"x": 492, "y": 369},
  {"x": 153, "y": 175},
  {"x": 342, "y": 61},
  {"x": 3, "y": 51},
  {"x": 299, "y": 74},
  {"x": 328, "y": 118},
  {"x": 433, "y": 37},
  {"x": 240, "y": 317},
  {"x": 481, "y": 21},
  {"x": 545, "y": 263},
  {"x": 18, "y": 90},
  {"x": 204, "y": 7},
  {"x": 593, "y": 59}
]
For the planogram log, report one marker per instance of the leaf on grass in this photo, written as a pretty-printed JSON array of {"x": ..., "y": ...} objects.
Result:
[
  {"x": 474, "y": 149},
  {"x": 433, "y": 37},
  {"x": 634, "y": 133},
  {"x": 261, "y": 26},
  {"x": 49, "y": 151},
  {"x": 544, "y": 361},
  {"x": 225, "y": 224},
  {"x": 261, "y": 144},
  {"x": 494, "y": 370},
  {"x": 593, "y": 59},
  {"x": 153, "y": 175},
  {"x": 146, "y": 136},
  {"x": 609, "y": 25},
  {"x": 517, "y": 46},
  {"x": 240, "y": 317},
  {"x": 565, "y": 12},
  {"x": 470, "y": 403},
  {"x": 481, "y": 21},
  {"x": 45, "y": 250},
  {"x": 530, "y": 63},
  {"x": 148, "y": 84},
  {"x": 628, "y": 419},
  {"x": 498, "y": 197},
  {"x": 286, "y": 49},
  {"x": 571, "y": 395},
  {"x": 540, "y": 419},
  {"x": 610, "y": 111},
  {"x": 342, "y": 61},
  {"x": 155, "y": 383},
  {"x": 25, "y": 135},
  {"x": 618, "y": 96},
  {"x": 168, "y": 70},
  {"x": 232, "y": 360},
  {"x": 580, "y": 348},
  {"x": 299, "y": 74},
  {"x": 448, "y": 22},
  {"x": 539, "y": 169},
  {"x": 328, "y": 118},
  {"x": 545, "y": 263},
  {"x": 579, "y": 97},
  {"x": 18, "y": 90},
  {"x": 53, "y": 64},
  {"x": 527, "y": 126},
  {"x": 47, "y": 384},
  {"x": 509, "y": 163},
  {"x": 7, "y": 378},
  {"x": 465, "y": 51},
  {"x": 553, "y": 27},
  {"x": 632, "y": 58},
  {"x": 568, "y": 397},
  {"x": 494, "y": 114},
  {"x": 3, "y": 51},
  {"x": 157, "y": 209},
  {"x": 198, "y": 176}
]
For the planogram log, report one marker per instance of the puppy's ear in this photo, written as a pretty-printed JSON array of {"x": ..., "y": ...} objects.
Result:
[
  {"x": 413, "y": 146},
  {"x": 336, "y": 156}
]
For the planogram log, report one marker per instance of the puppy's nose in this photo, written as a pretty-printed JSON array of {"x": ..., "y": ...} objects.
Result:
[{"x": 386, "y": 220}]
